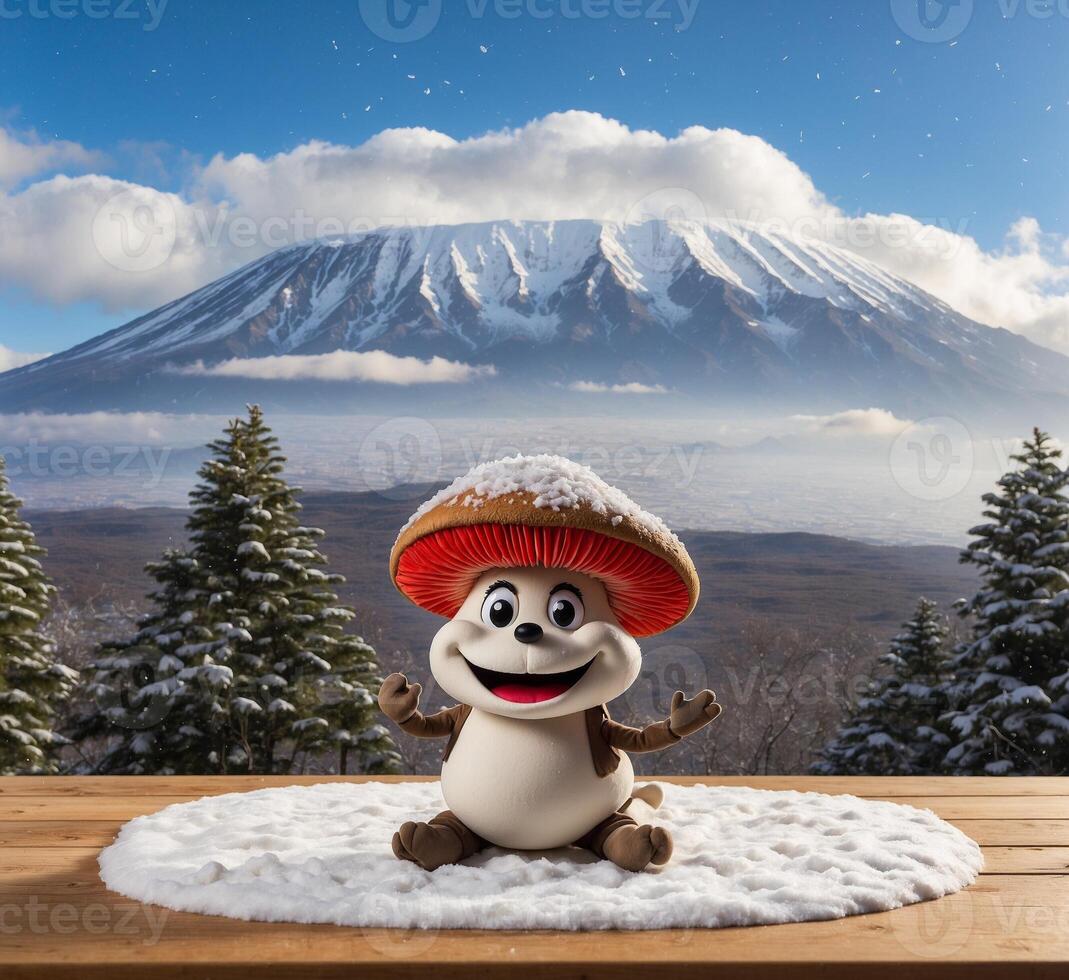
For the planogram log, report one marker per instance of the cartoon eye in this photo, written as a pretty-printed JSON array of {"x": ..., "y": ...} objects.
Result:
[
  {"x": 566, "y": 609},
  {"x": 499, "y": 607}
]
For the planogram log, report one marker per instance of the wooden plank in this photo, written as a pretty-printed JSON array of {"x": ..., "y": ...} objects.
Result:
[
  {"x": 1026, "y": 860},
  {"x": 1000, "y": 833},
  {"x": 884, "y": 787},
  {"x": 58, "y": 833},
  {"x": 28, "y": 808},
  {"x": 1001, "y": 922},
  {"x": 191, "y": 787}
]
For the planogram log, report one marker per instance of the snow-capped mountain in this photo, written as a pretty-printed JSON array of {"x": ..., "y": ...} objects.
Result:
[{"x": 706, "y": 310}]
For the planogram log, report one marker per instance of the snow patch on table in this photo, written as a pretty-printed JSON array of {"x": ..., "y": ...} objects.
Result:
[{"x": 742, "y": 857}]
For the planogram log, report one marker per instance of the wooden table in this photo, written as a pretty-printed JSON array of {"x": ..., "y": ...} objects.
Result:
[{"x": 57, "y": 920}]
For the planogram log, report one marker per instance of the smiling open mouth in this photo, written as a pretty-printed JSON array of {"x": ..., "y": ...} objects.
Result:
[{"x": 528, "y": 688}]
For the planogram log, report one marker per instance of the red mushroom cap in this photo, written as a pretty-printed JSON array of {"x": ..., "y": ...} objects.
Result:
[{"x": 545, "y": 511}]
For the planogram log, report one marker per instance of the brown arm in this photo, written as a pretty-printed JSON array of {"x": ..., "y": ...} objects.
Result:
[
  {"x": 652, "y": 738},
  {"x": 399, "y": 701},
  {"x": 688, "y": 717},
  {"x": 438, "y": 725}
]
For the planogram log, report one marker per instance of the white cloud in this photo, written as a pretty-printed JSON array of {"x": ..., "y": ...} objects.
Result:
[
  {"x": 853, "y": 422},
  {"x": 92, "y": 237},
  {"x": 376, "y": 366},
  {"x": 11, "y": 359},
  {"x": 26, "y": 155},
  {"x": 43, "y": 428},
  {"x": 630, "y": 388},
  {"x": 565, "y": 165}
]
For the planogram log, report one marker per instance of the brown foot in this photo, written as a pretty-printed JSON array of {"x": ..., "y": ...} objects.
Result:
[
  {"x": 621, "y": 840},
  {"x": 445, "y": 840},
  {"x": 635, "y": 848}
]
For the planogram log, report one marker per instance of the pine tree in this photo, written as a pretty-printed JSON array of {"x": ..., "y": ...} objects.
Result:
[
  {"x": 246, "y": 656},
  {"x": 1011, "y": 694},
  {"x": 164, "y": 689},
  {"x": 33, "y": 685},
  {"x": 894, "y": 729}
]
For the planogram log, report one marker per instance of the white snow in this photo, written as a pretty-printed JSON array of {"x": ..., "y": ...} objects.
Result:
[
  {"x": 512, "y": 274},
  {"x": 742, "y": 857},
  {"x": 556, "y": 483}
]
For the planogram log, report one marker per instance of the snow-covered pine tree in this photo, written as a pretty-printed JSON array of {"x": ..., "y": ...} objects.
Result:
[
  {"x": 1011, "y": 692},
  {"x": 894, "y": 728},
  {"x": 162, "y": 691},
  {"x": 33, "y": 684},
  {"x": 248, "y": 647}
]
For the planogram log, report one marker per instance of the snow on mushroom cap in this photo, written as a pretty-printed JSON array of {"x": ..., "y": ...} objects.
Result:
[{"x": 554, "y": 482}]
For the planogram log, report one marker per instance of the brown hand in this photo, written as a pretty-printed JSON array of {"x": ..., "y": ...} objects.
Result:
[
  {"x": 692, "y": 716},
  {"x": 398, "y": 699}
]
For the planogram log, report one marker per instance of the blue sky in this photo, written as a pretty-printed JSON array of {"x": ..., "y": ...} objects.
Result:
[{"x": 973, "y": 130}]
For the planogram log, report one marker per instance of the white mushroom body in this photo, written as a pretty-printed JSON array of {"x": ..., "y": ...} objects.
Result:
[{"x": 530, "y": 783}]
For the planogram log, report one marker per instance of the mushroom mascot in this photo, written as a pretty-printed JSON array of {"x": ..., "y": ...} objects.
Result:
[{"x": 547, "y": 575}]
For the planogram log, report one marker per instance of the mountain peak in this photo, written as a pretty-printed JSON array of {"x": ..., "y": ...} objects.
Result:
[{"x": 705, "y": 308}]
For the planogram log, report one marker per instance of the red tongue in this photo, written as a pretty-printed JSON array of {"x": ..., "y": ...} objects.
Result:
[{"x": 530, "y": 693}]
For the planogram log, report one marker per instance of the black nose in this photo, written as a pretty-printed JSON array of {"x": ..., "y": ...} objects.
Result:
[{"x": 528, "y": 632}]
